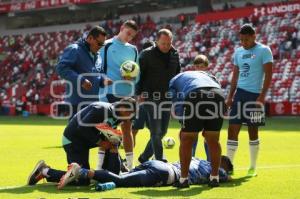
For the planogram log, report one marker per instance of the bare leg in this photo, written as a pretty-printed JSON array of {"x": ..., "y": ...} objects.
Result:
[
  {"x": 185, "y": 151},
  {"x": 212, "y": 140},
  {"x": 134, "y": 133},
  {"x": 128, "y": 143}
]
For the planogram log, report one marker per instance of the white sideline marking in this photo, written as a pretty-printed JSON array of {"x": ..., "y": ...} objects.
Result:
[{"x": 272, "y": 167}]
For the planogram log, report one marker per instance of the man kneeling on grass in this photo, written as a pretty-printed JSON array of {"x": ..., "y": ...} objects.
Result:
[
  {"x": 89, "y": 128},
  {"x": 153, "y": 173}
]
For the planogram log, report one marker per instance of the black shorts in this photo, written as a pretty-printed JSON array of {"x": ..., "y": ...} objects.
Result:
[
  {"x": 78, "y": 146},
  {"x": 204, "y": 109},
  {"x": 80, "y": 154}
]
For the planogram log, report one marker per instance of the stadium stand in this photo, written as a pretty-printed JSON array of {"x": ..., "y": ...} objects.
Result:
[
  {"x": 28, "y": 61},
  {"x": 280, "y": 32}
]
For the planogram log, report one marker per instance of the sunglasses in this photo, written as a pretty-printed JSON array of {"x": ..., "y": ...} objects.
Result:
[{"x": 99, "y": 43}]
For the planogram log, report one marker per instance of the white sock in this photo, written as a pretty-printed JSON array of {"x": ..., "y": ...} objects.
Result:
[
  {"x": 213, "y": 177},
  {"x": 45, "y": 172},
  {"x": 129, "y": 160},
  {"x": 232, "y": 146},
  {"x": 254, "y": 148},
  {"x": 101, "y": 156},
  {"x": 181, "y": 180}
]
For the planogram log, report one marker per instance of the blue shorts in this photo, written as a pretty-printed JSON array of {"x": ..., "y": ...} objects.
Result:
[{"x": 245, "y": 111}]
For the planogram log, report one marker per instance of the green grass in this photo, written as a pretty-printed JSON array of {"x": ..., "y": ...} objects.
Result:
[{"x": 24, "y": 141}]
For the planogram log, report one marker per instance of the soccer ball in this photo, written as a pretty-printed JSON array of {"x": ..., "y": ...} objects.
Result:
[
  {"x": 129, "y": 69},
  {"x": 168, "y": 142},
  {"x": 112, "y": 135}
]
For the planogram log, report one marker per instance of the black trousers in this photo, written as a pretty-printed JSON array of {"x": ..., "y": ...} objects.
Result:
[{"x": 112, "y": 163}]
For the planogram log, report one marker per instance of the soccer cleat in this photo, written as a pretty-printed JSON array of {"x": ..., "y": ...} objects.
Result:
[
  {"x": 213, "y": 183},
  {"x": 36, "y": 174},
  {"x": 71, "y": 175},
  {"x": 252, "y": 172},
  {"x": 179, "y": 185}
]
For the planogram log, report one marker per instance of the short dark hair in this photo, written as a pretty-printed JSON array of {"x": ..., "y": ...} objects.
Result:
[
  {"x": 96, "y": 31},
  {"x": 128, "y": 103},
  {"x": 131, "y": 24},
  {"x": 164, "y": 31},
  {"x": 247, "y": 29}
]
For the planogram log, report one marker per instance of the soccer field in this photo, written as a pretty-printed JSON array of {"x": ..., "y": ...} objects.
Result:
[{"x": 24, "y": 141}]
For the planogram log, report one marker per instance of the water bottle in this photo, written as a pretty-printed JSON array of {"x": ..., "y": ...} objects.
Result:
[{"x": 105, "y": 186}]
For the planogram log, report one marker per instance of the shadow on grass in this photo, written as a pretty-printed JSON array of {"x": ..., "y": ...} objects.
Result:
[
  {"x": 192, "y": 191},
  {"x": 46, "y": 188},
  {"x": 152, "y": 192},
  {"x": 236, "y": 182}
]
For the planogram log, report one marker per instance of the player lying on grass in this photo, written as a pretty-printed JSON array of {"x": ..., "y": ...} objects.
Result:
[
  {"x": 153, "y": 173},
  {"x": 82, "y": 133}
]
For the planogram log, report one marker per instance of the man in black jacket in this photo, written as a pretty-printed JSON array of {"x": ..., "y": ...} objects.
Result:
[{"x": 158, "y": 65}]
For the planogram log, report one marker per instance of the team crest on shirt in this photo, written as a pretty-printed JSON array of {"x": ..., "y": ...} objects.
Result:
[{"x": 248, "y": 56}]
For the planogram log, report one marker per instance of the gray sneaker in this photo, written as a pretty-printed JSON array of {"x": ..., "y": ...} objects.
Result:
[{"x": 36, "y": 174}]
